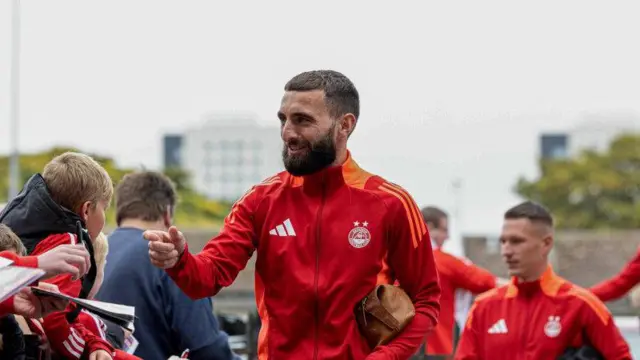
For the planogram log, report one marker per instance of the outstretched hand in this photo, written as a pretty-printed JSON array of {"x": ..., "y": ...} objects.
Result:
[{"x": 165, "y": 247}]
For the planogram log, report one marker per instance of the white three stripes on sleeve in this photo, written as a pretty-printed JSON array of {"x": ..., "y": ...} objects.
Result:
[{"x": 74, "y": 344}]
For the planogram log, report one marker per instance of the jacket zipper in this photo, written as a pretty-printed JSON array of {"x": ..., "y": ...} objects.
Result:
[
  {"x": 523, "y": 338},
  {"x": 317, "y": 302}
]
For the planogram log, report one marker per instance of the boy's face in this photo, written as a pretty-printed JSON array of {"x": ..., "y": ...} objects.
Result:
[{"x": 94, "y": 217}]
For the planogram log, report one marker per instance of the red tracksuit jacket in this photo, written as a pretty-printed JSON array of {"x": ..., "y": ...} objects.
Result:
[
  {"x": 622, "y": 283},
  {"x": 68, "y": 340},
  {"x": 6, "y": 306},
  {"x": 321, "y": 241},
  {"x": 539, "y": 320},
  {"x": 454, "y": 274}
]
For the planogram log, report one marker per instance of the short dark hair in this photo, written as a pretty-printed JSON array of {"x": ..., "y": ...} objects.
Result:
[
  {"x": 532, "y": 211},
  {"x": 432, "y": 215},
  {"x": 144, "y": 195},
  {"x": 340, "y": 94}
]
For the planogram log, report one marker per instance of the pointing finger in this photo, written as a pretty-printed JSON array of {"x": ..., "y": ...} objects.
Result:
[
  {"x": 163, "y": 256},
  {"x": 151, "y": 236},
  {"x": 161, "y": 247}
]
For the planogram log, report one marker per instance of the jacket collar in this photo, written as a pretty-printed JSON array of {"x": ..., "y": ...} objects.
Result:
[
  {"x": 549, "y": 284},
  {"x": 332, "y": 178}
]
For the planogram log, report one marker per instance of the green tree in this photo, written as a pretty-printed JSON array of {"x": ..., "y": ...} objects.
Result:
[
  {"x": 593, "y": 190},
  {"x": 193, "y": 210}
]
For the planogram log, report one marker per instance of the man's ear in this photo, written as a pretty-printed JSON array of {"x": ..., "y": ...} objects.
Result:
[
  {"x": 347, "y": 124},
  {"x": 547, "y": 241}
]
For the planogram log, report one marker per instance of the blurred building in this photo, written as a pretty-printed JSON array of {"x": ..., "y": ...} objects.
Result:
[
  {"x": 226, "y": 154},
  {"x": 594, "y": 132},
  {"x": 172, "y": 147},
  {"x": 554, "y": 146}
]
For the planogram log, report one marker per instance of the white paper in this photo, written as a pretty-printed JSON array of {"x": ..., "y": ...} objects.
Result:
[
  {"x": 114, "y": 308},
  {"x": 14, "y": 278},
  {"x": 4, "y": 262}
]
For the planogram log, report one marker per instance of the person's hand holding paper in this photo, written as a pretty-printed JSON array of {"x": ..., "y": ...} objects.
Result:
[{"x": 29, "y": 305}]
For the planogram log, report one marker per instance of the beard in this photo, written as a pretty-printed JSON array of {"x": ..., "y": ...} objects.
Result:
[{"x": 319, "y": 155}]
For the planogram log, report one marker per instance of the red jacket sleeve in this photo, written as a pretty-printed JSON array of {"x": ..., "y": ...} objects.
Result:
[
  {"x": 6, "y": 307},
  {"x": 223, "y": 257},
  {"x": 123, "y": 355},
  {"x": 601, "y": 330},
  {"x": 24, "y": 261},
  {"x": 471, "y": 277},
  {"x": 411, "y": 260},
  {"x": 469, "y": 344},
  {"x": 621, "y": 283},
  {"x": 71, "y": 340}
]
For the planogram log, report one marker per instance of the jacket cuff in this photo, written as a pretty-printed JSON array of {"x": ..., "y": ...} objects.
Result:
[
  {"x": 100, "y": 344},
  {"x": 182, "y": 261},
  {"x": 6, "y": 307},
  {"x": 27, "y": 261}
]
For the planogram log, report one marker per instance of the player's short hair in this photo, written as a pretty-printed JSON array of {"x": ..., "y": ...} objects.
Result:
[
  {"x": 73, "y": 178},
  {"x": 341, "y": 95},
  {"x": 9, "y": 241},
  {"x": 144, "y": 195},
  {"x": 432, "y": 215},
  {"x": 530, "y": 210}
]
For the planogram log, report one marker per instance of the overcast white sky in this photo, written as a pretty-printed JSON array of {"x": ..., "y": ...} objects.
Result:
[{"x": 448, "y": 89}]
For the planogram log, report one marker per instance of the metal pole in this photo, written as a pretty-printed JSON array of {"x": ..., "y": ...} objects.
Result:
[
  {"x": 456, "y": 184},
  {"x": 14, "y": 167}
]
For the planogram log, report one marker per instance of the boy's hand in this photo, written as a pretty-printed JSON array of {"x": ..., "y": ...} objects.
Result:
[
  {"x": 26, "y": 304},
  {"x": 73, "y": 259},
  {"x": 100, "y": 355},
  {"x": 165, "y": 247}
]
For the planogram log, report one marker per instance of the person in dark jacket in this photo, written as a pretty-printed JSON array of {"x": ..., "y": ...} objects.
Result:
[{"x": 167, "y": 321}]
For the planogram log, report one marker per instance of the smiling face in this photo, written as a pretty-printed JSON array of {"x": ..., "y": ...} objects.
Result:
[
  {"x": 308, "y": 132},
  {"x": 318, "y": 112}
]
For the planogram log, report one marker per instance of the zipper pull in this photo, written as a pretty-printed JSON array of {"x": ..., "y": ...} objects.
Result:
[{"x": 364, "y": 313}]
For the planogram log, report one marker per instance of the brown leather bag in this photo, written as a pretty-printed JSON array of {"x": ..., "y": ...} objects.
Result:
[{"x": 383, "y": 314}]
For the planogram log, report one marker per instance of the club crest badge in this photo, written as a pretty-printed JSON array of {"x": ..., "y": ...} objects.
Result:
[
  {"x": 553, "y": 327},
  {"x": 359, "y": 236}
]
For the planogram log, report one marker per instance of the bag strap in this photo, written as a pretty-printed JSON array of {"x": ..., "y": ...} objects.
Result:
[{"x": 89, "y": 279}]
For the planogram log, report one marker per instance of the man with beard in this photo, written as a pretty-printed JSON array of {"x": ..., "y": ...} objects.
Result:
[{"x": 325, "y": 231}]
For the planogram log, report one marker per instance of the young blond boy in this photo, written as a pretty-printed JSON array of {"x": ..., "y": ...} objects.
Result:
[{"x": 73, "y": 189}]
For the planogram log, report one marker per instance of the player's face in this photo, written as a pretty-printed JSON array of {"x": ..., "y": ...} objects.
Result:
[
  {"x": 308, "y": 132},
  {"x": 524, "y": 248},
  {"x": 440, "y": 234}
]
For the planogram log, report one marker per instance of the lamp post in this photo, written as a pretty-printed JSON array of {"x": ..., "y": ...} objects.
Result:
[
  {"x": 457, "y": 240},
  {"x": 14, "y": 166}
]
